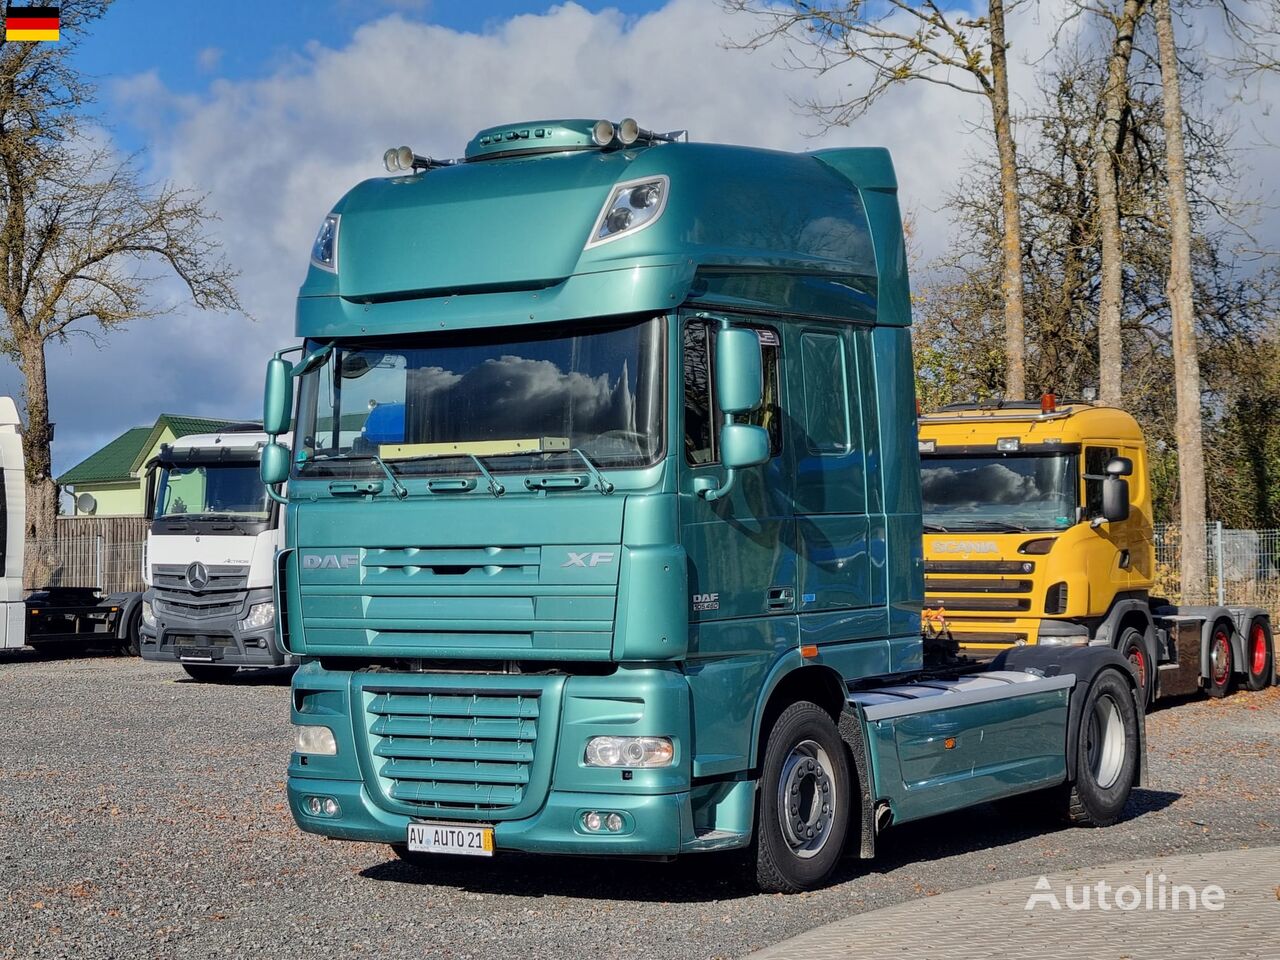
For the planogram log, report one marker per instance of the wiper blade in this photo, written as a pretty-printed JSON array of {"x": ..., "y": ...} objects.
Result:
[
  {"x": 1002, "y": 526},
  {"x": 935, "y": 528},
  {"x": 495, "y": 487},
  {"x": 397, "y": 487},
  {"x": 603, "y": 485}
]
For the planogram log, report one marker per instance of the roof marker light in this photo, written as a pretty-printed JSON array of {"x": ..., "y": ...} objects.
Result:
[
  {"x": 1008, "y": 444},
  {"x": 1048, "y": 403}
]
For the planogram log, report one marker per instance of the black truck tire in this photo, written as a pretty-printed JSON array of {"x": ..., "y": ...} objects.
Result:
[
  {"x": 1106, "y": 747},
  {"x": 803, "y": 804},
  {"x": 209, "y": 673},
  {"x": 1133, "y": 647},
  {"x": 1222, "y": 661},
  {"x": 131, "y": 643},
  {"x": 1259, "y": 655}
]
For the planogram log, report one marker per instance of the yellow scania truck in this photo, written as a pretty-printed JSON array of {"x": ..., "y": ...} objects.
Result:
[{"x": 1037, "y": 529}]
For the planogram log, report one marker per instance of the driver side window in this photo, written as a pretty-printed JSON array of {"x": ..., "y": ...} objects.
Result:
[{"x": 1095, "y": 464}]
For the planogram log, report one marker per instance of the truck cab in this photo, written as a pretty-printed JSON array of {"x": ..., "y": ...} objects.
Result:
[
  {"x": 1038, "y": 530},
  {"x": 209, "y": 558},
  {"x": 604, "y": 517},
  {"x": 1016, "y": 539}
]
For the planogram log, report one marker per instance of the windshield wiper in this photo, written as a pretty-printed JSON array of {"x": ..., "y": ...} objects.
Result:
[
  {"x": 1003, "y": 526},
  {"x": 603, "y": 485},
  {"x": 495, "y": 487},
  {"x": 397, "y": 487},
  {"x": 935, "y": 528}
]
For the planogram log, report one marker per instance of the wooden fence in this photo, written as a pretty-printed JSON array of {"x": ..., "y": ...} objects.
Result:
[{"x": 102, "y": 552}]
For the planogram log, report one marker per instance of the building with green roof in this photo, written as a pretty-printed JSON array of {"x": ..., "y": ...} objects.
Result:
[{"x": 115, "y": 477}]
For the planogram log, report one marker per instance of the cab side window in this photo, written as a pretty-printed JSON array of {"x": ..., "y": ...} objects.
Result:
[
  {"x": 1095, "y": 464},
  {"x": 702, "y": 415}
]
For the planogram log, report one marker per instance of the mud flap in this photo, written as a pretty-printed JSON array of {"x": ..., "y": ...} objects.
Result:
[{"x": 853, "y": 732}]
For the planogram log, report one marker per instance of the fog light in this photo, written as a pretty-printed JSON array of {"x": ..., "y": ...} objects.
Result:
[
  {"x": 314, "y": 806},
  {"x": 316, "y": 739},
  {"x": 330, "y": 807},
  {"x": 596, "y": 821}
]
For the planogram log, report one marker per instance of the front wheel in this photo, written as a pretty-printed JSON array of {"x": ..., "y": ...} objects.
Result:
[
  {"x": 1222, "y": 665},
  {"x": 1106, "y": 753},
  {"x": 804, "y": 801},
  {"x": 131, "y": 644},
  {"x": 207, "y": 673},
  {"x": 1133, "y": 647},
  {"x": 1259, "y": 655}
]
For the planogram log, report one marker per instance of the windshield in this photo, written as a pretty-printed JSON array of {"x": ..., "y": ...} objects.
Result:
[
  {"x": 998, "y": 491},
  {"x": 531, "y": 396},
  {"x": 228, "y": 490}
]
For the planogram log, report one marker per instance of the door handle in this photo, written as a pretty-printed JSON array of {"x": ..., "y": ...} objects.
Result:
[{"x": 781, "y": 598}]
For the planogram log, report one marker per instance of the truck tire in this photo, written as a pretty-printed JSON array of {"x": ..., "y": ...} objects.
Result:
[
  {"x": 802, "y": 810},
  {"x": 1133, "y": 647},
  {"x": 1222, "y": 661},
  {"x": 1259, "y": 655},
  {"x": 209, "y": 673},
  {"x": 1106, "y": 753},
  {"x": 131, "y": 644}
]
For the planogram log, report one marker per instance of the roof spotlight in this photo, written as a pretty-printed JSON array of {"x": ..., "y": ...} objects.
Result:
[
  {"x": 404, "y": 157},
  {"x": 602, "y": 133},
  {"x": 391, "y": 161},
  {"x": 628, "y": 132}
]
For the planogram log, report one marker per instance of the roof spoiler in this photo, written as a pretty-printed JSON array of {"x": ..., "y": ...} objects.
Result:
[{"x": 870, "y": 168}]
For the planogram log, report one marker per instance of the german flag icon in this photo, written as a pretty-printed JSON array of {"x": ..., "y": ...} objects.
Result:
[{"x": 31, "y": 23}]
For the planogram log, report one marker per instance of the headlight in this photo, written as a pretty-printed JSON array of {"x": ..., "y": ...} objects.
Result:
[
  {"x": 317, "y": 740},
  {"x": 324, "y": 252},
  {"x": 148, "y": 615},
  {"x": 632, "y": 206},
  {"x": 260, "y": 615},
  {"x": 629, "y": 752},
  {"x": 1071, "y": 641}
]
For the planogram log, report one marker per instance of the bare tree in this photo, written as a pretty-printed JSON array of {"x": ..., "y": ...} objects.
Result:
[
  {"x": 899, "y": 41},
  {"x": 79, "y": 230},
  {"x": 1115, "y": 103},
  {"x": 1191, "y": 484}
]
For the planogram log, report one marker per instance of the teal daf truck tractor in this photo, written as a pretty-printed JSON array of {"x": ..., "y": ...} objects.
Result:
[{"x": 604, "y": 529}]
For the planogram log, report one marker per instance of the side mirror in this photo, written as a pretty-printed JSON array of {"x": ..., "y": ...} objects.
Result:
[
  {"x": 277, "y": 400},
  {"x": 1115, "y": 497},
  {"x": 1119, "y": 467},
  {"x": 274, "y": 464},
  {"x": 739, "y": 371},
  {"x": 743, "y": 445}
]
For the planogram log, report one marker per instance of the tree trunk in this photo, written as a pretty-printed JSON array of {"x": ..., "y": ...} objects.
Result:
[
  {"x": 1186, "y": 361},
  {"x": 42, "y": 493},
  {"x": 1115, "y": 98},
  {"x": 1015, "y": 386}
]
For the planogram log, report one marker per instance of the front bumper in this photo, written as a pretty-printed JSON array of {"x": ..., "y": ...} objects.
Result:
[
  {"x": 658, "y": 825},
  {"x": 216, "y": 640}
]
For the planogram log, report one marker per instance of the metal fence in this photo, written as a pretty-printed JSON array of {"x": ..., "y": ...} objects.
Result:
[{"x": 1241, "y": 566}]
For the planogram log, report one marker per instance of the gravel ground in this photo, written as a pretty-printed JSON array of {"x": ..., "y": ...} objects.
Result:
[{"x": 143, "y": 815}]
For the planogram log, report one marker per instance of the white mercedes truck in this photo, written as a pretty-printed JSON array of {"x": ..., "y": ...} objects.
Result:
[{"x": 210, "y": 556}]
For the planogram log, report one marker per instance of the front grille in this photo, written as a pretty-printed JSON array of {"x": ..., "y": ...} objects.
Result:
[
  {"x": 446, "y": 750},
  {"x": 997, "y": 585},
  {"x": 980, "y": 603},
  {"x": 979, "y": 566},
  {"x": 224, "y": 595}
]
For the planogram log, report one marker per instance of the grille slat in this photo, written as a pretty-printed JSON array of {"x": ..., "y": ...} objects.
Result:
[
  {"x": 995, "y": 585},
  {"x": 979, "y": 566},
  {"x": 980, "y": 603},
  {"x": 223, "y": 596},
  {"x": 451, "y": 751}
]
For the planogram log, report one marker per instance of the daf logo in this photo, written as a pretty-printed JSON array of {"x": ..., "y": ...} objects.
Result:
[
  {"x": 587, "y": 559},
  {"x": 330, "y": 561},
  {"x": 965, "y": 546},
  {"x": 197, "y": 576}
]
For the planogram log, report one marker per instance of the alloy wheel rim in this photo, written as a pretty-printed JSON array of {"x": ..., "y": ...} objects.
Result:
[
  {"x": 1104, "y": 747},
  {"x": 806, "y": 798}
]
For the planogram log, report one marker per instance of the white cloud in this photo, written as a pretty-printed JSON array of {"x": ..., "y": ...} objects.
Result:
[{"x": 275, "y": 153}]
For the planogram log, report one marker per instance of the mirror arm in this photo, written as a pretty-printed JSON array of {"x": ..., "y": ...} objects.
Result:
[
  {"x": 276, "y": 495},
  {"x": 705, "y": 487}
]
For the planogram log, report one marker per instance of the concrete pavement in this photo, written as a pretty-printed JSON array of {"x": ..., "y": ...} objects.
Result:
[{"x": 1236, "y": 915}]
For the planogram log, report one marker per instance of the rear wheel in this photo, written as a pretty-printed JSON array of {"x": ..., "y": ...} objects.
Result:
[
  {"x": 1133, "y": 647},
  {"x": 209, "y": 673},
  {"x": 1222, "y": 665},
  {"x": 804, "y": 801},
  {"x": 1259, "y": 655},
  {"x": 1106, "y": 753}
]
